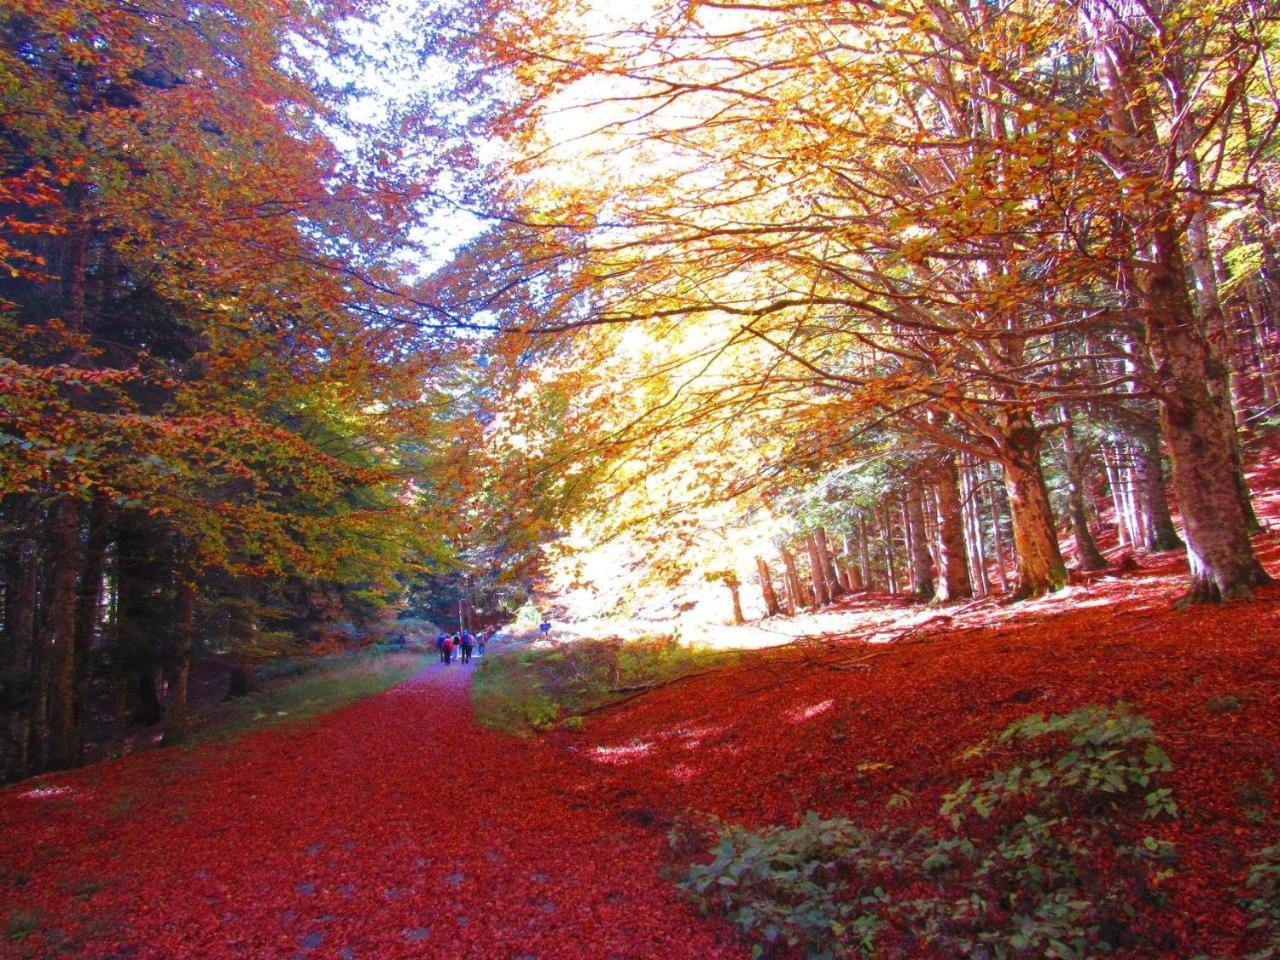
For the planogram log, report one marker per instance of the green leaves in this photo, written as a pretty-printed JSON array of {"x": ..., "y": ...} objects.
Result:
[{"x": 1019, "y": 871}]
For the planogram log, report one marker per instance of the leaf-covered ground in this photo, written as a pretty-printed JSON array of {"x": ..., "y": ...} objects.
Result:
[
  {"x": 398, "y": 828},
  {"x": 394, "y": 828}
]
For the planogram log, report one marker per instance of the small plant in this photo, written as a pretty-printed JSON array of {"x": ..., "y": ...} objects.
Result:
[
  {"x": 1015, "y": 875},
  {"x": 22, "y": 923},
  {"x": 1226, "y": 703},
  {"x": 121, "y": 805},
  {"x": 1264, "y": 901}
]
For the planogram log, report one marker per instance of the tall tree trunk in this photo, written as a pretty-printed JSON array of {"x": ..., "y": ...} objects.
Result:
[
  {"x": 794, "y": 595},
  {"x": 1161, "y": 533},
  {"x": 953, "y": 560},
  {"x": 1122, "y": 507},
  {"x": 997, "y": 536},
  {"x": 864, "y": 554},
  {"x": 88, "y": 602},
  {"x": 150, "y": 681},
  {"x": 842, "y": 574},
  {"x": 886, "y": 524},
  {"x": 852, "y": 572},
  {"x": 829, "y": 575},
  {"x": 734, "y": 586},
  {"x": 184, "y": 629},
  {"x": 59, "y": 633},
  {"x": 1039, "y": 559},
  {"x": 921, "y": 572},
  {"x": 1088, "y": 556},
  {"x": 821, "y": 596},
  {"x": 1215, "y": 515},
  {"x": 972, "y": 506},
  {"x": 19, "y": 654},
  {"x": 1189, "y": 379},
  {"x": 771, "y": 607}
]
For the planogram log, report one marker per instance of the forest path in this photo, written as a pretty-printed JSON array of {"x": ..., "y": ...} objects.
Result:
[{"x": 393, "y": 828}]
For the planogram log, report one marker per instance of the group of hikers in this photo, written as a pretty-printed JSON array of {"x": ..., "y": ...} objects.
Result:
[{"x": 462, "y": 644}]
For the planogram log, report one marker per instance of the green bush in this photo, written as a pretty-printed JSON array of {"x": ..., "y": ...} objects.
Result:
[
  {"x": 1264, "y": 902},
  {"x": 1015, "y": 873}
]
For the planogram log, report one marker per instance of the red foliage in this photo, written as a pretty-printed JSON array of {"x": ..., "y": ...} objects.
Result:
[
  {"x": 397, "y": 828},
  {"x": 394, "y": 828},
  {"x": 842, "y": 726}
]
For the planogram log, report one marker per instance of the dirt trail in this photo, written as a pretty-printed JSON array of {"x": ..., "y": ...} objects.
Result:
[{"x": 393, "y": 828}]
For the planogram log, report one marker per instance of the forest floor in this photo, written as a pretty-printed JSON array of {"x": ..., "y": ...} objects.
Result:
[{"x": 396, "y": 827}]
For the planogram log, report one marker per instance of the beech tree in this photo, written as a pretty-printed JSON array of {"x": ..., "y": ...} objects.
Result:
[{"x": 910, "y": 204}]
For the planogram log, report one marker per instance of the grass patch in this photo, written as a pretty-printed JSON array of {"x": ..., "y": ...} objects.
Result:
[
  {"x": 529, "y": 688},
  {"x": 300, "y": 689},
  {"x": 22, "y": 924}
]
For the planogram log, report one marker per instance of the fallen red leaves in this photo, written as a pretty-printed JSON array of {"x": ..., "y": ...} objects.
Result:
[
  {"x": 396, "y": 828},
  {"x": 881, "y": 732}
]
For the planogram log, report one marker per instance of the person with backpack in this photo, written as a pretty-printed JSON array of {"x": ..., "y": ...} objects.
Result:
[
  {"x": 467, "y": 643},
  {"x": 481, "y": 640},
  {"x": 446, "y": 650},
  {"x": 441, "y": 637}
]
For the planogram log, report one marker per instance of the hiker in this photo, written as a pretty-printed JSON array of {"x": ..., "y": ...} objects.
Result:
[
  {"x": 441, "y": 637},
  {"x": 446, "y": 651},
  {"x": 467, "y": 643},
  {"x": 480, "y": 642}
]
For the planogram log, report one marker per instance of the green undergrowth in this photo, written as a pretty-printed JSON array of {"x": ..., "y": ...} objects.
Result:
[
  {"x": 519, "y": 689},
  {"x": 1056, "y": 852},
  {"x": 1263, "y": 902},
  {"x": 297, "y": 689}
]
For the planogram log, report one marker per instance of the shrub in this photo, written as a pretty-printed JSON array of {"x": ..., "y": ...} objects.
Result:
[
  {"x": 1264, "y": 902},
  {"x": 1039, "y": 859}
]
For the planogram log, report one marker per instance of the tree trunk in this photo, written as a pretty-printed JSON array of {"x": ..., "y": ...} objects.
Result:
[
  {"x": 829, "y": 574},
  {"x": 175, "y": 721},
  {"x": 59, "y": 634},
  {"x": 977, "y": 548},
  {"x": 842, "y": 574},
  {"x": 1161, "y": 533},
  {"x": 821, "y": 596},
  {"x": 771, "y": 607},
  {"x": 997, "y": 538},
  {"x": 150, "y": 695},
  {"x": 851, "y": 570},
  {"x": 864, "y": 554},
  {"x": 891, "y": 575},
  {"x": 1117, "y": 507},
  {"x": 1088, "y": 556},
  {"x": 734, "y": 587},
  {"x": 1039, "y": 560},
  {"x": 794, "y": 595},
  {"x": 921, "y": 562},
  {"x": 88, "y": 604},
  {"x": 19, "y": 655},
  {"x": 953, "y": 560},
  {"x": 1215, "y": 515},
  {"x": 1189, "y": 379}
]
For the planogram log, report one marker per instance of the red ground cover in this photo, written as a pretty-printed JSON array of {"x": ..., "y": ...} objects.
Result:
[
  {"x": 396, "y": 828},
  {"x": 839, "y": 726}
]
